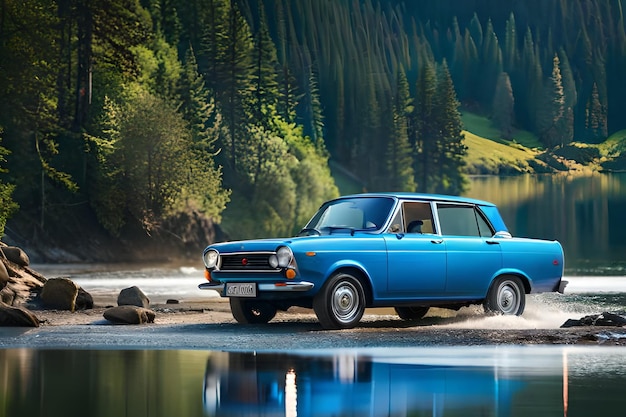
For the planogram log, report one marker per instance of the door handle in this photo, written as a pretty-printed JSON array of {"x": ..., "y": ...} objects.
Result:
[
  {"x": 437, "y": 241},
  {"x": 492, "y": 242}
]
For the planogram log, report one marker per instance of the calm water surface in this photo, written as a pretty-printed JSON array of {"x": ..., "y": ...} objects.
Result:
[
  {"x": 464, "y": 381},
  {"x": 587, "y": 214}
]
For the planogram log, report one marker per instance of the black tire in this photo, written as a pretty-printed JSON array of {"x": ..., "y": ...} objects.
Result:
[
  {"x": 411, "y": 313},
  {"x": 251, "y": 311},
  {"x": 340, "y": 304},
  {"x": 506, "y": 296}
]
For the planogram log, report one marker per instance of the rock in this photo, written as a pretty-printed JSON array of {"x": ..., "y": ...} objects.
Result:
[
  {"x": 4, "y": 276},
  {"x": 129, "y": 314},
  {"x": 17, "y": 317},
  {"x": 571, "y": 323},
  {"x": 18, "y": 283},
  {"x": 84, "y": 300},
  {"x": 133, "y": 296},
  {"x": 604, "y": 319},
  {"x": 59, "y": 294},
  {"x": 15, "y": 255}
]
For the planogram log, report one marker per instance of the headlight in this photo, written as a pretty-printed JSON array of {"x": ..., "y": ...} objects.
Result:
[
  {"x": 210, "y": 258},
  {"x": 284, "y": 256}
]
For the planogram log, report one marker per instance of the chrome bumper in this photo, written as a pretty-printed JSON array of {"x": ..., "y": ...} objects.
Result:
[{"x": 267, "y": 287}]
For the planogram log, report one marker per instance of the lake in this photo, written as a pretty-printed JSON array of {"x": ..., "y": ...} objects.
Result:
[
  {"x": 586, "y": 213},
  {"x": 437, "y": 381}
]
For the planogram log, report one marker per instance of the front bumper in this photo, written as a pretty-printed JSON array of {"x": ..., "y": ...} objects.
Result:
[{"x": 299, "y": 286}]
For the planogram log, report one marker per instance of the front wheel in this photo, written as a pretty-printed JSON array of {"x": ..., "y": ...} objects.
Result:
[
  {"x": 506, "y": 296},
  {"x": 340, "y": 304},
  {"x": 251, "y": 311}
]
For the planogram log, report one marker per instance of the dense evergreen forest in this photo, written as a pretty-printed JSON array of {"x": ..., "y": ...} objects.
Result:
[{"x": 144, "y": 115}]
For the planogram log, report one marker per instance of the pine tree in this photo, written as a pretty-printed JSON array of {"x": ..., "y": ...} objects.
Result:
[
  {"x": 511, "y": 57},
  {"x": 595, "y": 116},
  {"x": 286, "y": 44},
  {"x": 265, "y": 72},
  {"x": 399, "y": 155},
  {"x": 552, "y": 108},
  {"x": 450, "y": 137},
  {"x": 503, "y": 109},
  {"x": 228, "y": 48},
  {"x": 570, "y": 97},
  {"x": 424, "y": 132},
  {"x": 7, "y": 205},
  {"x": 197, "y": 107}
]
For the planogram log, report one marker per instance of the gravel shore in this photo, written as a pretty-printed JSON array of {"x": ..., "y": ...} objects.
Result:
[{"x": 194, "y": 319}]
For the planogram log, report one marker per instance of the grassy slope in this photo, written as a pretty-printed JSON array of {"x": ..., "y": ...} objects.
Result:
[
  {"x": 613, "y": 145},
  {"x": 488, "y": 153},
  {"x": 485, "y": 156}
]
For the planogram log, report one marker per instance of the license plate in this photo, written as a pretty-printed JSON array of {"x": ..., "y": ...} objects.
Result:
[{"x": 241, "y": 289}]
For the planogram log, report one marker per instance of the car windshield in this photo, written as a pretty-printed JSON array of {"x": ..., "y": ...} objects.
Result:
[{"x": 363, "y": 213}]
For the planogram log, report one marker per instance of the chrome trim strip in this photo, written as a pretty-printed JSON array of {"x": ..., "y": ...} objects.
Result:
[
  {"x": 212, "y": 286},
  {"x": 289, "y": 286},
  {"x": 297, "y": 286}
]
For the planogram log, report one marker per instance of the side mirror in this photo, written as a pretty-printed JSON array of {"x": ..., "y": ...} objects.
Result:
[{"x": 502, "y": 235}]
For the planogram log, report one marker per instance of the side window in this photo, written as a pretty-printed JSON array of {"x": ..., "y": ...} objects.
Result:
[
  {"x": 418, "y": 218},
  {"x": 396, "y": 224},
  {"x": 483, "y": 226},
  {"x": 457, "y": 220}
]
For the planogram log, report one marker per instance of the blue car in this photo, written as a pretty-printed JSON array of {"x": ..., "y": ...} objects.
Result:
[{"x": 407, "y": 251}]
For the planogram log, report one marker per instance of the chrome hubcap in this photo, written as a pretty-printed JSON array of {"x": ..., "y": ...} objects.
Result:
[
  {"x": 508, "y": 300},
  {"x": 345, "y": 303}
]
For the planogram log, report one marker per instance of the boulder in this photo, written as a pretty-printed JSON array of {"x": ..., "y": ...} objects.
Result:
[
  {"x": 18, "y": 283},
  {"x": 17, "y": 317},
  {"x": 84, "y": 300},
  {"x": 604, "y": 319},
  {"x": 59, "y": 294},
  {"x": 15, "y": 255},
  {"x": 133, "y": 296},
  {"x": 129, "y": 314},
  {"x": 4, "y": 276}
]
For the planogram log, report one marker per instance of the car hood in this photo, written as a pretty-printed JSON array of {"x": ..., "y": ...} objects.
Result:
[{"x": 257, "y": 245}]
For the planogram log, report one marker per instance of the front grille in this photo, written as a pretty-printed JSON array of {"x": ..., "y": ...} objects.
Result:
[{"x": 246, "y": 262}]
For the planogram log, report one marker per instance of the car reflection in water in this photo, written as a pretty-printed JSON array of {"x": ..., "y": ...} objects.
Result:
[{"x": 348, "y": 384}]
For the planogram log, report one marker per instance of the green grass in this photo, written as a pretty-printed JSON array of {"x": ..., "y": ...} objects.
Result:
[
  {"x": 488, "y": 153},
  {"x": 481, "y": 126},
  {"x": 484, "y": 156},
  {"x": 613, "y": 145}
]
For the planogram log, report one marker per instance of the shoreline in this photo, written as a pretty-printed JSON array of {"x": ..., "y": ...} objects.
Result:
[{"x": 379, "y": 327}]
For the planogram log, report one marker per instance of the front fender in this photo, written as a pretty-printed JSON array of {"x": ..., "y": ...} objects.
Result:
[{"x": 350, "y": 264}]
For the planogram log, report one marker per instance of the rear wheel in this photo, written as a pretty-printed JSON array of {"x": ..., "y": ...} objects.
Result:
[
  {"x": 411, "y": 313},
  {"x": 251, "y": 311},
  {"x": 340, "y": 303},
  {"x": 506, "y": 296}
]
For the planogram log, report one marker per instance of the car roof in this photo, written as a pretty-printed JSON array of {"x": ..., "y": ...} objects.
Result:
[{"x": 421, "y": 196}]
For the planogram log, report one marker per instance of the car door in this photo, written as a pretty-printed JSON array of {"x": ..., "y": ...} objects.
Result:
[
  {"x": 416, "y": 262},
  {"x": 473, "y": 256}
]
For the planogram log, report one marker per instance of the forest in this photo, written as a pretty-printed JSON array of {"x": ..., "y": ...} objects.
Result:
[{"x": 162, "y": 117}]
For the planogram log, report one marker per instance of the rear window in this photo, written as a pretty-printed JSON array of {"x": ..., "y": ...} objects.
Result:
[{"x": 462, "y": 220}]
